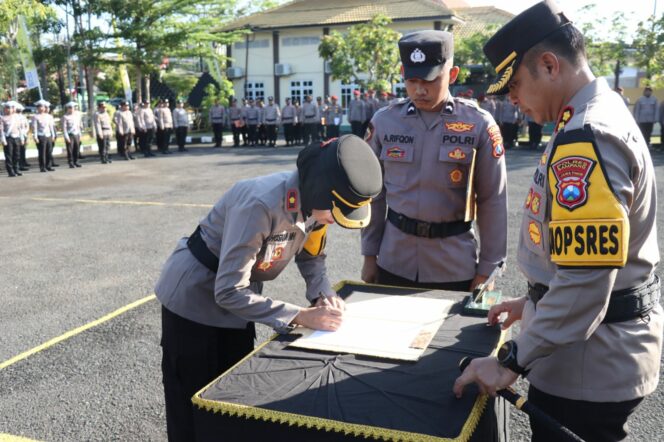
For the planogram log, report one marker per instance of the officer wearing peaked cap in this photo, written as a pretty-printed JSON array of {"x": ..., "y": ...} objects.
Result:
[
  {"x": 43, "y": 131},
  {"x": 591, "y": 322},
  {"x": 210, "y": 287},
  {"x": 444, "y": 169},
  {"x": 10, "y": 136}
]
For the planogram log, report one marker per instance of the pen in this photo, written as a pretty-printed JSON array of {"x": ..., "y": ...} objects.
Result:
[{"x": 326, "y": 301}]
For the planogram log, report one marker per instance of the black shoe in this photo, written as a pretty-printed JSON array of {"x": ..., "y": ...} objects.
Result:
[
  {"x": 11, "y": 175},
  {"x": 42, "y": 170},
  {"x": 71, "y": 166},
  {"x": 77, "y": 165},
  {"x": 109, "y": 160},
  {"x": 23, "y": 168},
  {"x": 50, "y": 169},
  {"x": 27, "y": 165},
  {"x": 131, "y": 157},
  {"x": 17, "y": 173},
  {"x": 80, "y": 157},
  {"x": 104, "y": 161},
  {"x": 55, "y": 165}
]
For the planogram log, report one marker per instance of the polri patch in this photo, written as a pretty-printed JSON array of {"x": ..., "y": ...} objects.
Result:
[
  {"x": 459, "y": 126},
  {"x": 572, "y": 180},
  {"x": 496, "y": 141},
  {"x": 457, "y": 154},
  {"x": 535, "y": 233}
]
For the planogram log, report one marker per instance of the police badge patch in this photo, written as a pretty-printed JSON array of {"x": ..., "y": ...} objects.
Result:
[
  {"x": 496, "y": 140},
  {"x": 572, "y": 180},
  {"x": 417, "y": 56}
]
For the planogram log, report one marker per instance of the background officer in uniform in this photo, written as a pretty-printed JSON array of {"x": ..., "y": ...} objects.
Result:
[
  {"x": 25, "y": 128},
  {"x": 72, "y": 126},
  {"x": 356, "y": 114},
  {"x": 146, "y": 126},
  {"x": 288, "y": 121},
  {"x": 236, "y": 118},
  {"x": 645, "y": 113},
  {"x": 333, "y": 116},
  {"x": 181, "y": 123},
  {"x": 10, "y": 135},
  {"x": 591, "y": 325},
  {"x": 442, "y": 157},
  {"x": 102, "y": 122},
  {"x": 43, "y": 131},
  {"x": 211, "y": 285},
  {"x": 251, "y": 116},
  {"x": 311, "y": 119},
  {"x": 164, "y": 119},
  {"x": 217, "y": 119},
  {"x": 124, "y": 130},
  {"x": 271, "y": 119}
]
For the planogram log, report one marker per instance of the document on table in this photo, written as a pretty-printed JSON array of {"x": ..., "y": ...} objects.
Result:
[{"x": 389, "y": 326}]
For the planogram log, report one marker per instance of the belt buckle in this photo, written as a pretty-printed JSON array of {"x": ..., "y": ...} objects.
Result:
[{"x": 422, "y": 229}]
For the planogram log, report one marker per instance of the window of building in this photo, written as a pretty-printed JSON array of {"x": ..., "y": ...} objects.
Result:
[
  {"x": 347, "y": 93},
  {"x": 300, "y": 41},
  {"x": 254, "y": 91},
  {"x": 300, "y": 88},
  {"x": 252, "y": 44}
]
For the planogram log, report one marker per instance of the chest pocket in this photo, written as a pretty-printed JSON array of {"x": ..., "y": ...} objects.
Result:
[
  {"x": 457, "y": 162},
  {"x": 397, "y": 160}
]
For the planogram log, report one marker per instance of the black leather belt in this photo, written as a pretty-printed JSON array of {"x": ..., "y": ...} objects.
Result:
[
  {"x": 200, "y": 250},
  {"x": 427, "y": 230},
  {"x": 624, "y": 305}
]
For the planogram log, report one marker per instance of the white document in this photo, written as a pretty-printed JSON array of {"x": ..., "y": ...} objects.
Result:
[
  {"x": 337, "y": 120},
  {"x": 391, "y": 326}
]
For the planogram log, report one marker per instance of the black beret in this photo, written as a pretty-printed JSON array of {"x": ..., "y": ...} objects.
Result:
[{"x": 424, "y": 53}]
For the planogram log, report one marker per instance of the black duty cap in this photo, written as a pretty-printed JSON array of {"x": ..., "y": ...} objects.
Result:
[
  {"x": 347, "y": 176},
  {"x": 506, "y": 48},
  {"x": 424, "y": 53}
]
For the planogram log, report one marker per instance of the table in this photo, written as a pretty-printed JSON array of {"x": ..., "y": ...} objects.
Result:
[{"x": 280, "y": 393}]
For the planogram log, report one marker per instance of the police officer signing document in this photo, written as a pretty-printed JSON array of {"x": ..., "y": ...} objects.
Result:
[
  {"x": 591, "y": 324},
  {"x": 210, "y": 287},
  {"x": 443, "y": 162}
]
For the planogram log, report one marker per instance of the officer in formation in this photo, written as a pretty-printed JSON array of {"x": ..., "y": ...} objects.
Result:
[
  {"x": 443, "y": 169},
  {"x": 211, "y": 286},
  {"x": 508, "y": 118},
  {"x": 356, "y": 114},
  {"x": 146, "y": 127},
  {"x": 288, "y": 118},
  {"x": 382, "y": 100},
  {"x": 181, "y": 123},
  {"x": 645, "y": 113},
  {"x": 322, "y": 112},
  {"x": 44, "y": 133},
  {"x": 72, "y": 127},
  {"x": 591, "y": 323},
  {"x": 164, "y": 119},
  {"x": 311, "y": 119},
  {"x": 370, "y": 107},
  {"x": 299, "y": 123},
  {"x": 236, "y": 117},
  {"x": 260, "y": 129},
  {"x": 217, "y": 120},
  {"x": 10, "y": 135},
  {"x": 124, "y": 130},
  {"x": 252, "y": 119},
  {"x": 103, "y": 129},
  {"x": 271, "y": 121},
  {"x": 333, "y": 116}
]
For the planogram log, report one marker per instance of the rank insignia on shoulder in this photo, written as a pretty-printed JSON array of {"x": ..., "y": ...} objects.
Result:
[
  {"x": 543, "y": 159},
  {"x": 565, "y": 116},
  {"x": 457, "y": 154},
  {"x": 396, "y": 152},
  {"x": 411, "y": 109},
  {"x": 449, "y": 107},
  {"x": 572, "y": 180},
  {"x": 291, "y": 200},
  {"x": 459, "y": 126}
]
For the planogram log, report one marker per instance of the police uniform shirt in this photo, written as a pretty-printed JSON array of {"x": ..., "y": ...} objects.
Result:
[
  {"x": 71, "y": 124},
  {"x": 11, "y": 126},
  {"x": 255, "y": 229},
  {"x": 24, "y": 126},
  {"x": 235, "y": 113},
  {"x": 102, "y": 122},
  {"x": 164, "y": 118},
  {"x": 645, "y": 109},
  {"x": 299, "y": 114},
  {"x": 217, "y": 114},
  {"x": 180, "y": 117},
  {"x": 146, "y": 119},
  {"x": 310, "y": 113},
  {"x": 589, "y": 228},
  {"x": 252, "y": 116},
  {"x": 43, "y": 125},
  {"x": 288, "y": 114},
  {"x": 333, "y": 111},
  {"x": 426, "y": 176},
  {"x": 124, "y": 122},
  {"x": 508, "y": 112},
  {"x": 356, "y": 110},
  {"x": 381, "y": 103},
  {"x": 271, "y": 114}
]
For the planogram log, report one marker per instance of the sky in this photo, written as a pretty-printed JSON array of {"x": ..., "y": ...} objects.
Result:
[{"x": 639, "y": 9}]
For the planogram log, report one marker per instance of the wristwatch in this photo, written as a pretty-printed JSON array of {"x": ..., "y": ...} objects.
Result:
[{"x": 507, "y": 358}]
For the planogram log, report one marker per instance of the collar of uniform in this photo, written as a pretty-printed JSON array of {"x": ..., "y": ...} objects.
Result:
[
  {"x": 293, "y": 209},
  {"x": 409, "y": 109}
]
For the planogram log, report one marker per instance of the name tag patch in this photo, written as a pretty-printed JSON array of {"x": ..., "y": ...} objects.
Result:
[{"x": 587, "y": 242}]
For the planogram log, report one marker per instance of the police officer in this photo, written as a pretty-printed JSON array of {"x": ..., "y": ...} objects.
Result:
[
  {"x": 23, "y": 141},
  {"x": 311, "y": 119},
  {"x": 43, "y": 131},
  {"x": 236, "y": 117},
  {"x": 10, "y": 135},
  {"x": 252, "y": 118},
  {"x": 333, "y": 115},
  {"x": 164, "y": 119},
  {"x": 645, "y": 113},
  {"x": 356, "y": 114},
  {"x": 124, "y": 130},
  {"x": 288, "y": 121},
  {"x": 508, "y": 116},
  {"x": 211, "y": 285},
  {"x": 322, "y": 112},
  {"x": 217, "y": 120},
  {"x": 245, "y": 127},
  {"x": 271, "y": 120},
  {"x": 72, "y": 127},
  {"x": 591, "y": 323},
  {"x": 181, "y": 123},
  {"x": 102, "y": 122},
  {"x": 444, "y": 169},
  {"x": 146, "y": 126}
]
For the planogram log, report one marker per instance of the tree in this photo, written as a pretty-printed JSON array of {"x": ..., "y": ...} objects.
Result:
[
  {"x": 367, "y": 55},
  {"x": 469, "y": 51},
  {"x": 649, "y": 49}
]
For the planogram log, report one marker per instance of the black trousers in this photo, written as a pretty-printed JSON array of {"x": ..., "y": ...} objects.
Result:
[
  {"x": 646, "y": 130},
  {"x": 310, "y": 133},
  {"x": 12, "y": 155},
  {"x": 145, "y": 139},
  {"x": 245, "y": 134},
  {"x": 262, "y": 134},
  {"x": 356, "y": 128},
  {"x": 23, "y": 160},
  {"x": 181, "y": 137},
  {"x": 253, "y": 134},
  {"x": 103, "y": 144},
  {"x": 288, "y": 133},
  {"x": 509, "y": 132},
  {"x": 73, "y": 149},
  {"x": 218, "y": 129},
  {"x": 534, "y": 134},
  {"x": 193, "y": 355},
  {"x": 124, "y": 144},
  {"x": 237, "y": 131},
  {"x": 45, "y": 150},
  {"x": 591, "y": 421},
  {"x": 388, "y": 278},
  {"x": 163, "y": 139},
  {"x": 332, "y": 131}
]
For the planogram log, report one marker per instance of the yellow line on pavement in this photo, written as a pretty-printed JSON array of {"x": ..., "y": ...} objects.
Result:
[
  {"x": 4, "y": 437},
  {"x": 75, "y": 331},
  {"x": 129, "y": 203}
]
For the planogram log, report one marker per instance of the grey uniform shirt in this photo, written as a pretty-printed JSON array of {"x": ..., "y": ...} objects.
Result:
[
  {"x": 124, "y": 122},
  {"x": 645, "y": 109},
  {"x": 333, "y": 111},
  {"x": 356, "y": 110},
  {"x": 569, "y": 352},
  {"x": 427, "y": 170},
  {"x": 217, "y": 114},
  {"x": 271, "y": 115},
  {"x": 164, "y": 118},
  {"x": 146, "y": 119},
  {"x": 180, "y": 117},
  {"x": 43, "y": 125},
  {"x": 310, "y": 113},
  {"x": 71, "y": 124},
  {"x": 288, "y": 114},
  {"x": 255, "y": 233},
  {"x": 507, "y": 112},
  {"x": 235, "y": 113},
  {"x": 102, "y": 122},
  {"x": 10, "y": 126},
  {"x": 252, "y": 116}
]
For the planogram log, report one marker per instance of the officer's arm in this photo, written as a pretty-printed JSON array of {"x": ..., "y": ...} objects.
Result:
[
  {"x": 64, "y": 129},
  {"x": 311, "y": 264},
  {"x": 490, "y": 182},
  {"x": 579, "y": 293},
  {"x": 372, "y": 235},
  {"x": 245, "y": 231}
]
